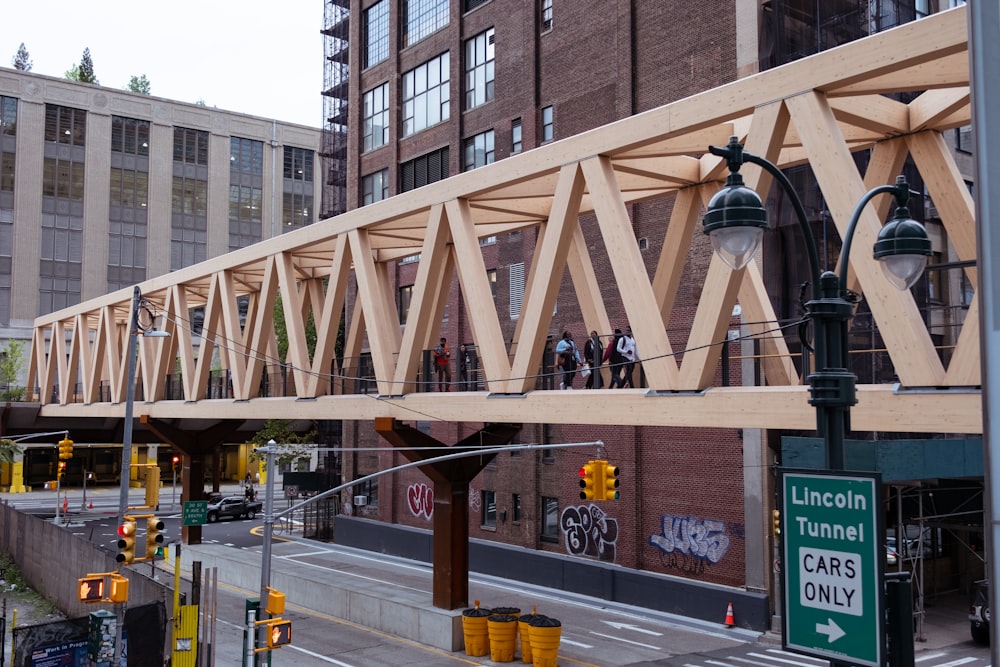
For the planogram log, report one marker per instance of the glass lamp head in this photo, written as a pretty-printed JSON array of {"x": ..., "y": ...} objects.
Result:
[
  {"x": 902, "y": 249},
  {"x": 735, "y": 221}
]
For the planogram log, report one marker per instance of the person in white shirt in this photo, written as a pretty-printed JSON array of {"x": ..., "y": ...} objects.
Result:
[{"x": 630, "y": 353}]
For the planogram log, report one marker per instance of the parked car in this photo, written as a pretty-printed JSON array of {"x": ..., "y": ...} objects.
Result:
[
  {"x": 979, "y": 613},
  {"x": 234, "y": 507}
]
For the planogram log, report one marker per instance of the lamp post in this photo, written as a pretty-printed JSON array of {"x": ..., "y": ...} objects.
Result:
[
  {"x": 135, "y": 326},
  {"x": 735, "y": 221}
]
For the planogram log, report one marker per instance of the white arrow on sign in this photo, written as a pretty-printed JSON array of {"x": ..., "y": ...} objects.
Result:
[
  {"x": 831, "y": 630},
  {"x": 635, "y": 628}
]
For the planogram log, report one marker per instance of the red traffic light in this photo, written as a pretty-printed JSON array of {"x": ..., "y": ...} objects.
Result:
[{"x": 279, "y": 633}]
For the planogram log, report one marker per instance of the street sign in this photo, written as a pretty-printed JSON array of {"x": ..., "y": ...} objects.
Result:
[
  {"x": 833, "y": 601},
  {"x": 195, "y": 512}
]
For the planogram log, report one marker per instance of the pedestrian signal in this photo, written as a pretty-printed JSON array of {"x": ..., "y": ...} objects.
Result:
[
  {"x": 279, "y": 633},
  {"x": 119, "y": 588},
  {"x": 90, "y": 589}
]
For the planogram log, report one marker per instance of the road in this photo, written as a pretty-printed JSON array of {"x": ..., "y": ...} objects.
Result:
[{"x": 595, "y": 633}]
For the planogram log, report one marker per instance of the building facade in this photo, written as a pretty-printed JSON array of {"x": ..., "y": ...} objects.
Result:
[
  {"x": 438, "y": 87},
  {"x": 102, "y": 188}
]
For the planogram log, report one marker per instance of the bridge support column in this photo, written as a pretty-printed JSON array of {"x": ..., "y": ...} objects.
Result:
[{"x": 451, "y": 499}]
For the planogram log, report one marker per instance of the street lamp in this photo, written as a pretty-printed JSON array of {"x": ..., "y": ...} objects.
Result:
[
  {"x": 136, "y": 325},
  {"x": 736, "y": 219}
]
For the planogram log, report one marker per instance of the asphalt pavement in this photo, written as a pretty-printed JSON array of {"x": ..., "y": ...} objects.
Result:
[{"x": 595, "y": 633}]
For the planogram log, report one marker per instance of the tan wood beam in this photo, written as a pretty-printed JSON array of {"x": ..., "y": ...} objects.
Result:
[
  {"x": 328, "y": 322},
  {"x": 297, "y": 355},
  {"x": 896, "y": 313},
  {"x": 630, "y": 275},
  {"x": 933, "y": 106},
  {"x": 380, "y": 324}
]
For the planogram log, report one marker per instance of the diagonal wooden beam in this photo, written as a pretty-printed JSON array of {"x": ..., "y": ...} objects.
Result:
[
  {"x": 630, "y": 275},
  {"x": 328, "y": 322},
  {"x": 899, "y": 321},
  {"x": 382, "y": 324}
]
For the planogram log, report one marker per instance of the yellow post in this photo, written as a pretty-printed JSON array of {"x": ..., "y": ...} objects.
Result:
[
  {"x": 184, "y": 652},
  {"x": 17, "y": 475}
]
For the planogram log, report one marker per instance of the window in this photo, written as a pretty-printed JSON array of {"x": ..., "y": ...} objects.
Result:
[
  {"x": 516, "y": 289},
  {"x": 515, "y": 507},
  {"x": 421, "y": 18},
  {"x": 489, "y": 505},
  {"x": 246, "y": 192},
  {"x": 547, "y": 123},
  {"x": 546, "y": 15},
  {"x": 491, "y": 277},
  {"x": 376, "y": 122},
  {"x": 423, "y": 170},
  {"x": 963, "y": 139},
  {"x": 376, "y": 31},
  {"x": 65, "y": 125},
  {"x": 190, "y": 146},
  {"x": 368, "y": 489},
  {"x": 479, "y": 150},
  {"x": 129, "y": 136},
  {"x": 405, "y": 298},
  {"x": 8, "y": 116},
  {"x": 6, "y": 172},
  {"x": 298, "y": 164},
  {"x": 550, "y": 519},
  {"x": 62, "y": 179},
  {"x": 374, "y": 187},
  {"x": 426, "y": 95},
  {"x": 129, "y": 188},
  {"x": 479, "y": 69},
  {"x": 472, "y": 4},
  {"x": 515, "y": 136},
  {"x": 297, "y": 195}
]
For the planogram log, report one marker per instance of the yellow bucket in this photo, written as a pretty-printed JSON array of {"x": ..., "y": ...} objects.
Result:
[
  {"x": 503, "y": 637},
  {"x": 545, "y": 634},
  {"x": 475, "y": 631}
]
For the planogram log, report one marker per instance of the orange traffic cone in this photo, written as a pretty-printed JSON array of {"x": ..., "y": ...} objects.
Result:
[
  {"x": 730, "y": 621},
  {"x": 90, "y": 505}
]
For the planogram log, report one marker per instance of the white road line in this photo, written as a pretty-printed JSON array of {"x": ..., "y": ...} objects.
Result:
[
  {"x": 929, "y": 656},
  {"x": 784, "y": 660},
  {"x": 803, "y": 657},
  {"x": 955, "y": 663},
  {"x": 627, "y": 641},
  {"x": 719, "y": 662},
  {"x": 752, "y": 662},
  {"x": 332, "y": 661},
  {"x": 563, "y": 640}
]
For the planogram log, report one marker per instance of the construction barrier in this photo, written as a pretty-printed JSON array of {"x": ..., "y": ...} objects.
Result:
[
  {"x": 503, "y": 637},
  {"x": 476, "y": 631}
]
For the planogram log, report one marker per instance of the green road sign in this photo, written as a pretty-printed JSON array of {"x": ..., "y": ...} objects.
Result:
[
  {"x": 832, "y": 565},
  {"x": 195, "y": 512}
]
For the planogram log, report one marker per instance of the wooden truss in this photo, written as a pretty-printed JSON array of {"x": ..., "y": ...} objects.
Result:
[{"x": 817, "y": 110}]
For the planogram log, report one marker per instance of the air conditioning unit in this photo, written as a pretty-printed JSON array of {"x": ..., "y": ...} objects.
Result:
[{"x": 360, "y": 501}]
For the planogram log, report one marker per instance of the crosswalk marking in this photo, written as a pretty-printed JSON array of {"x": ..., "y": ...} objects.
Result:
[
  {"x": 627, "y": 641},
  {"x": 929, "y": 656},
  {"x": 784, "y": 660},
  {"x": 720, "y": 663},
  {"x": 803, "y": 657},
  {"x": 960, "y": 661},
  {"x": 753, "y": 662}
]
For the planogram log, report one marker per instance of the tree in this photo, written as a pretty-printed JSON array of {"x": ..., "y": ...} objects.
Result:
[
  {"x": 8, "y": 449},
  {"x": 12, "y": 363},
  {"x": 73, "y": 73},
  {"x": 21, "y": 59},
  {"x": 293, "y": 446},
  {"x": 87, "y": 68},
  {"x": 138, "y": 84}
]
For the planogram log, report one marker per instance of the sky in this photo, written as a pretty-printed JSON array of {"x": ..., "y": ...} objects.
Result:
[{"x": 257, "y": 57}]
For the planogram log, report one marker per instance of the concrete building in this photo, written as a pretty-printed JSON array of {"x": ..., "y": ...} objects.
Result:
[{"x": 102, "y": 188}]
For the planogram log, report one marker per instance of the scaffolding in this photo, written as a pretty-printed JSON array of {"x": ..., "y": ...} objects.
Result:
[{"x": 333, "y": 142}]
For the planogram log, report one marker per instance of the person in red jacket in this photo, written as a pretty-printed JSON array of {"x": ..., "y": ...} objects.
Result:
[{"x": 442, "y": 365}]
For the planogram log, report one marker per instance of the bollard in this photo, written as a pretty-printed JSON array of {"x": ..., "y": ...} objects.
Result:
[
  {"x": 899, "y": 604},
  {"x": 476, "y": 631},
  {"x": 503, "y": 637},
  {"x": 545, "y": 633}
]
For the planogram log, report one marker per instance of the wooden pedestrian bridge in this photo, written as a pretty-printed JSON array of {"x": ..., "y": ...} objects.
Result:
[{"x": 818, "y": 110}]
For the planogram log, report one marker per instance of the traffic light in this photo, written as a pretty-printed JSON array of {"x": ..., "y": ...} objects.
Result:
[
  {"x": 62, "y": 469},
  {"x": 152, "y": 475},
  {"x": 776, "y": 522},
  {"x": 610, "y": 481},
  {"x": 65, "y": 449},
  {"x": 126, "y": 542},
  {"x": 275, "y": 602},
  {"x": 177, "y": 463},
  {"x": 279, "y": 633},
  {"x": 590, "y": 474},
  {"x": 154, "y": 538},
  {"x": 119, "y": 588},
  {"x": 90, "y": 589}
]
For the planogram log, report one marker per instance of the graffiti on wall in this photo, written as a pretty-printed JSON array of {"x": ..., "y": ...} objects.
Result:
[
  {"x": 420, "y": 500},
  {"x": 589, "y": 531},
  {"x": 690, "y": 543}
]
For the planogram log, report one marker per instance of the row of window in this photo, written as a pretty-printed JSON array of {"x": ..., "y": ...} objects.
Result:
[{"x": 418, "y": 19}]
